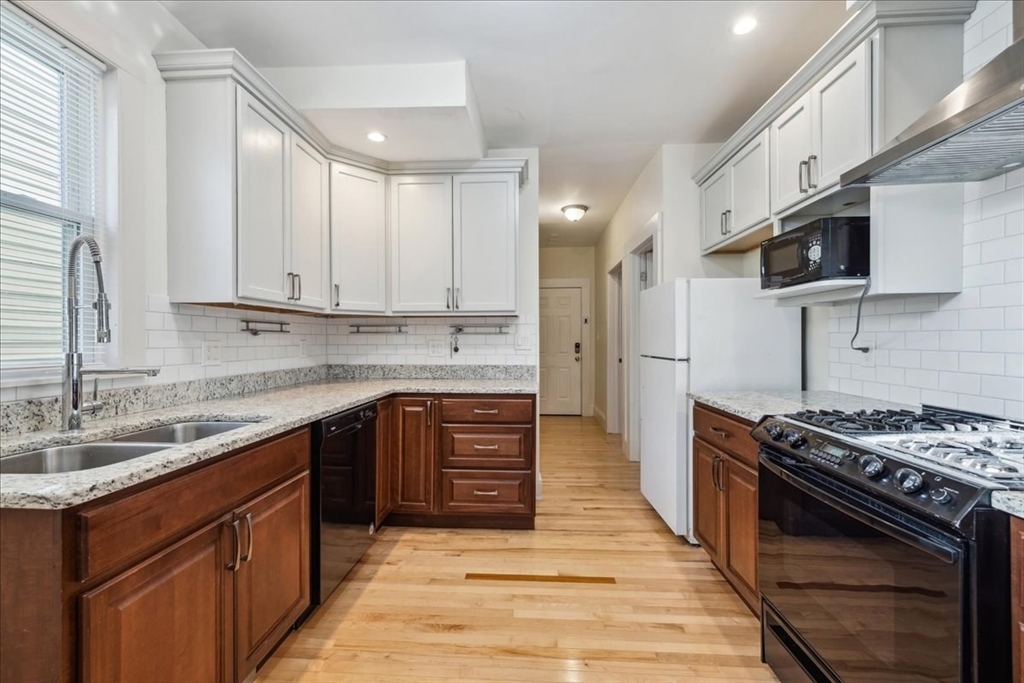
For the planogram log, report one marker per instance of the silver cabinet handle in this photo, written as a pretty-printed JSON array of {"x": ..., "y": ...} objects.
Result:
[
  {"x": 299, "y": 280},
  {"x": 248, "y": 551},
  {"x": 485, "y": 448},
  {"x": 458, "y": 295},
  {"x": 478, "y": 492},
  {"x": 233, "y": 566},
  {"x": 291, "y": 286},
  {"x": 448, "y": 298},
  {"x": 800, "y": 176},
  {"x": 811, "y": 185},
  {"x": 337, "y": 296},
  {"x": 728, "y": 214},
  {"x": 477, "y": 411},
  {"x": 721, "y": 223}
]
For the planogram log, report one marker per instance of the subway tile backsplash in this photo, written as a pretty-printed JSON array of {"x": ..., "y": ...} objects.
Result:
[{"x": 961, "y": 350}]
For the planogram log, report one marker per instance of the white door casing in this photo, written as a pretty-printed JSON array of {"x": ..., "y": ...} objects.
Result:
[{"x": 561, "y": 329}]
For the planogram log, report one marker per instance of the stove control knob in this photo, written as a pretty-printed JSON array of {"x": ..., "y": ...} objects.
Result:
[
  {"x": 794, "y": 439},
  {"x": 870, "y": 466},
  {"x": 941, "y": 496},
  {"x": 774, "y": 430},
  {"x": 908, "y": 481}
]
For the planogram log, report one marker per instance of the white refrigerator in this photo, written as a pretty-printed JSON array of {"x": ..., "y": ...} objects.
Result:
[{"x": 702, "y": 335}]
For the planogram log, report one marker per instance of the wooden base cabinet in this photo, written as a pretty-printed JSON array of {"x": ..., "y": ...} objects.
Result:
[
  {"x": 725, "y": 499},
  {"x": 1017, "y": 569},
  {"x": 196, "y": 576},
  {"x": 462, "y": 460}
]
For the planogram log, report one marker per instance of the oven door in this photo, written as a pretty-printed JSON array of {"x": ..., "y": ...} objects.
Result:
[{"x": 872, "y": 595}]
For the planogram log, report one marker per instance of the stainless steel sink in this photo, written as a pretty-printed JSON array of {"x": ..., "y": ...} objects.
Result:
[
  {"x": 181, "y": 432},
  {"x": 83, "y": 456}
]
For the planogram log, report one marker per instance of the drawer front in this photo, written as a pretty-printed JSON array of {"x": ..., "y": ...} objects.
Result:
[
  {"x": 491, "y": 411},
  {"x": 487, "y": 447},
  {"x": 145, "y": 521},
  {"x": 467, "y": 491},
  {"x": 726, "y": 433}
]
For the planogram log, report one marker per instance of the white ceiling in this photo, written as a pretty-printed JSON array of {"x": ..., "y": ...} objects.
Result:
[{"x": 597, "y": 86}]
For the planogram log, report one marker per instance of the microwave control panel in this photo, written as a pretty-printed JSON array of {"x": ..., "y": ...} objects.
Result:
[{"x": 814, "y": 251}]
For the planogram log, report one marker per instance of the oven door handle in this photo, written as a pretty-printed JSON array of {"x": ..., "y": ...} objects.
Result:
[{"x": 938, "y": 550}]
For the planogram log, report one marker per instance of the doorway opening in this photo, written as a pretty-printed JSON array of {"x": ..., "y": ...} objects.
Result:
[{"x": 615, "y": 368}]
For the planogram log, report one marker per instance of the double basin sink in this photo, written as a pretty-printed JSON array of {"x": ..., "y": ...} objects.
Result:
[{"x": 85, "y": 456}]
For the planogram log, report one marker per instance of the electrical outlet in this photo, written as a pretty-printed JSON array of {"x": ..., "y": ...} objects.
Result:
[
  {"x": 524, "y": 342},
  {"x": 211, "y": 353},
  {"x": 303, "y": 348},
  {"x": 435, "y": 349},
  {"x": 867, "y": 360}
]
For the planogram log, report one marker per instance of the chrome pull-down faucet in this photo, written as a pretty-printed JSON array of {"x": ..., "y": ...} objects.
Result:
[{"x": 72, "y": 405}]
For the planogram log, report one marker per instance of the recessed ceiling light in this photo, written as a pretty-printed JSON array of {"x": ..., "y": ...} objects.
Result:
[
  {"x": 744, "y": 25},
  {"x": 574, "y": 212},
  {"x": 376, "y": 137},
  {"x": 1015, "y": 164}
]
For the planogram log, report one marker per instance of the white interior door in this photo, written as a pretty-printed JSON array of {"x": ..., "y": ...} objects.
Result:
[{"x": 561, "y": 333}]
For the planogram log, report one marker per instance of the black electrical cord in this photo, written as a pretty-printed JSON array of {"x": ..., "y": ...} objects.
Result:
[{"x": 856, "y": 331}]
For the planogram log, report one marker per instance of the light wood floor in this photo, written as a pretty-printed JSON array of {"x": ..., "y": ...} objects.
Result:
[{"x": 408, "y": 613}]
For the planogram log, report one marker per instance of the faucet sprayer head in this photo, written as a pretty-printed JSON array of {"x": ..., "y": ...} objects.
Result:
[{"x": 102, "y": 306}]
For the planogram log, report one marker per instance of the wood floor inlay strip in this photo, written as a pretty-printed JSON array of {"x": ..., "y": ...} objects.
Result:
[{"x": 553, "y": 578}]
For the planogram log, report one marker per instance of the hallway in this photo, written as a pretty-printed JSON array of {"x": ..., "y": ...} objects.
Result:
[{"x": 619, "y": 597}]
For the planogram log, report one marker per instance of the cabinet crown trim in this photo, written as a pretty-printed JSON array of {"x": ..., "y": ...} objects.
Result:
[
  {"x": 191, "y": 65},
  {"x": 874, "y": 15}
]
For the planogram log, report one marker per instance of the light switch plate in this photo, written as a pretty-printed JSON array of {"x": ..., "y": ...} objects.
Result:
[
  {"x": 524, "y": 342},
  {"x": 211, "y": 353}
]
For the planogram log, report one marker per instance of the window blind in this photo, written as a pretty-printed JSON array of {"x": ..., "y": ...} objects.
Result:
[{"x": 49, "y": 160}]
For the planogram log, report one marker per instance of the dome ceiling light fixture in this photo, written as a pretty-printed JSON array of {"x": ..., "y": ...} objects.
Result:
[
  {"x": 744, "y": 25},
  {"x": 375, "y": 136},
  {"x": 574, "y": 212}
]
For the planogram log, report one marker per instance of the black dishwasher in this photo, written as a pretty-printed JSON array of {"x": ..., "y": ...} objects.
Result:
[{"x": 344, "y": 496}]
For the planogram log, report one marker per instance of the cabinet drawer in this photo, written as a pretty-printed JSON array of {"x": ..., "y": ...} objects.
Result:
[
  {"x": 111, "y": 533},
  {"x": 493, "y": 411},
  {"x": 468, "y": 491},
  {"x": 487, "y": 447},
  {"x": 726, "y": 433}
]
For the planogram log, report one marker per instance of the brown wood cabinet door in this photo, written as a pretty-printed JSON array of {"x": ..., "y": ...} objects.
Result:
[
  {"x": 413, "y": 455},
  {"x": 167, "y": 619},
  {"x": 707, "y": 499},
  {"x": 740, "y": 550},
  {"x": 385, "y": 423},
  {"x": 272, "y": 581}
]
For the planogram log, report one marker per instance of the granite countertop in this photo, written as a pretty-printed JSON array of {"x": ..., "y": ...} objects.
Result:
[
  {"x": 753, "y": 405},
  {"x": 1009, "y": 501},
  {"x": 274, "y": 412}
]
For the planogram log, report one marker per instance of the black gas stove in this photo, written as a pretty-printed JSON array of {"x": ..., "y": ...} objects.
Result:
[{"x": 880, "y": 558}]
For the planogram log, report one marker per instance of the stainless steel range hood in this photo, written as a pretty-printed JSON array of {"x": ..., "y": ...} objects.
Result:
[{"x": 975, "y": 132}]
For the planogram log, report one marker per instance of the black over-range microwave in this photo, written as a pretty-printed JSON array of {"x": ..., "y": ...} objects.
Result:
[{"x": 827, "y": 248}]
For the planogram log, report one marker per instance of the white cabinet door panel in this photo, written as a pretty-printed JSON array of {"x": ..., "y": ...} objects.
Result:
[
  {"x": 840, "y": 111},
  {"x": 714, "y": 197},
  {"x": 486, "y": 245},
  {"x": 358, "y": 239},
  {"x": 791, "y": 144},
  {"x": 263, "y": 240},
  {"x": 310, "y": 231},
  {"x": 421, "y": 244},
  {"x": 751, "y": 204}
]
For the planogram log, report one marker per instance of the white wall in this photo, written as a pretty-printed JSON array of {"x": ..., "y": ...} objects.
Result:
[
  {"x": 966, "y": 350},
  {"x": 567, "y": 262}
]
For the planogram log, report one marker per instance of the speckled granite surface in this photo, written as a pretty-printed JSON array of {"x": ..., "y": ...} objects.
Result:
[
  {"x": 1009, "y": 501},
  {"x": 275, "y": 411},
  {"x": 753, "y": 405},
  {"x": 21, "y": 417}
]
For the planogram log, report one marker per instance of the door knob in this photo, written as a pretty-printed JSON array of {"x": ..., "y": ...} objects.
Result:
[{"x": 577, "y": 359}]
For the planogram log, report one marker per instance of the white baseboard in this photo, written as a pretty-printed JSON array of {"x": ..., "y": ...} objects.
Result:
[{"x": 601, "y": 417}]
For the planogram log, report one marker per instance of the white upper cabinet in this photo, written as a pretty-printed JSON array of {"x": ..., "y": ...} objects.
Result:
[
  {"x": 486, "y": 245},
  {"x": 714, "y": 202},
  {"x": 421, "y": 244},
  {"x": 359, "y": 257},
  {"x": 264, "y": 248},
  {"x": 842, "y": 119},
  {"x": 791, "y": 149},
  {"x": 310, "y": 230},
  {"x": 750, "y": 203}
]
